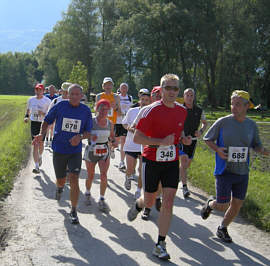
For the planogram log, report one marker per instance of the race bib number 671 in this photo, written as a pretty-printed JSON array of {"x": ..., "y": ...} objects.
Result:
[{"x": 71, "y": 125}]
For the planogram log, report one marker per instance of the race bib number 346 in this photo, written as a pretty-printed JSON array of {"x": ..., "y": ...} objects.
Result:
[
  {"x": 71, "y": 125},
  {"x": 166, "y": 153},
  {"x": 237, "y": 154}
]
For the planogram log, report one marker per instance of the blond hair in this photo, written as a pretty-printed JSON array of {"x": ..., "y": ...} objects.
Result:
[{"x": 167, "y": 77}]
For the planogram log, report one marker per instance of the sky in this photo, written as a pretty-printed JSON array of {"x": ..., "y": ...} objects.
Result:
[{"x": 24, "y": 23}]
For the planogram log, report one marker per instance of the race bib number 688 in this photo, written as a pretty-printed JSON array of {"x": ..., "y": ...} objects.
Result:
[{"x": 71, "y": 125}]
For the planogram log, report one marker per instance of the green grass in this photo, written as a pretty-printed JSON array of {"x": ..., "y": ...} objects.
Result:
[
  {"x": 14, "y": 140},
  {"x": 256, "y": 207}
]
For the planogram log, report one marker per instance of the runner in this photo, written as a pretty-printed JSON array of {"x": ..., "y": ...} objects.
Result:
[
  {"x": 143, "y": 90},
  {"x": 195, "y": 117},
  {"x": 160, "y": 129},
  {"x": 231, "y": 137},
  {"x": 156, "y": 94},
  {"x": 98, "y": 151},
  {"x": 133, "y": 150},
  {"x": 64, "y": 95},
  {"x": 73, "y": 122},
  {"x": 37, "y": 107},
  {"x": 52, "y": 92},
  {"x": 126, "y": 102},
  {"x": 114, "y": 100}
]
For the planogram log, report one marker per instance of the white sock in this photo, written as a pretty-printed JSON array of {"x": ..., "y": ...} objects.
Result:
[
  {"x": 87, "y": 191},
  {"x": 37, "y": 165}
]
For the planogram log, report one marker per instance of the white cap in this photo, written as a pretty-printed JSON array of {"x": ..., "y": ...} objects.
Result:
[
  {"x": 107, "y": 79},
  {"x": 65, "y": 85},
  {"x": 144, "y": 91}
]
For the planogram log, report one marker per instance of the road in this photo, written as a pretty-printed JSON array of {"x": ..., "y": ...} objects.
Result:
[{"x": 42, "y": 235}]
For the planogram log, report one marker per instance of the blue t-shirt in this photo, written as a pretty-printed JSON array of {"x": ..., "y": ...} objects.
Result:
[
  {"x": 70, "y": 121},
  {"x": 51, "y": 97}
]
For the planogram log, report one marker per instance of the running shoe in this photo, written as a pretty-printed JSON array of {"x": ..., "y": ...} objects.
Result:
[
  {"x": 74, "y": 217},
  {"x": 160, "y": 251},
  {"x": 87, "y": 199},
  {"x": 158, "y": 204},
  {"x": 146, "y": 214},
  {"x": 137, "y": 194},
  {"x": 128, "y": 183},
  {"x": 206, "y": 210},
  {"x": 36, "y": 170},
  {"x": 40, "y": 160},
  {"x": 112, "y": 154},
  {"x": 58, "y": 193},
  {"x": 68, "y": 181},
  {"x": 103, "y": 206},
  {"x": 133, "y": 177},
  {"x": 223, "y": 234},
  {"x": 132, "y": 212},
  {"x": 122, "y": 166},
  {"x": 186, "y": 192}
]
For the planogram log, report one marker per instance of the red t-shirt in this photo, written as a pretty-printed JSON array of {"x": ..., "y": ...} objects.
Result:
[{"x": 159, "y": 121}]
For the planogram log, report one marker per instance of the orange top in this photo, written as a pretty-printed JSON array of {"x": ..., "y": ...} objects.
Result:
[{"x": 112, "y": 115}]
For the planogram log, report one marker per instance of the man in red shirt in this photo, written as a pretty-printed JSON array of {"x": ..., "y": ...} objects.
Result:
[{"x": 160, "y": 131}]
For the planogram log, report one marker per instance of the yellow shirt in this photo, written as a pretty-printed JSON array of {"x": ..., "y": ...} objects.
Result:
[{"x": 112, "y": 115}]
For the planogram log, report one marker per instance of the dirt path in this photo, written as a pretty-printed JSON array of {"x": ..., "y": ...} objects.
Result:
[{"x": 40, "y": 232}]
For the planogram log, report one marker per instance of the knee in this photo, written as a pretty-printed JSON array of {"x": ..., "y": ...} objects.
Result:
[
  {"x": 221, "y": 206},
  {"x": 103, "y": 177}
]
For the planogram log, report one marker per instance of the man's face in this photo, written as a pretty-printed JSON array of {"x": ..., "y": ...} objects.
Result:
[
  {"x": 156, "y": 96},
  {"x": 75, "y": 96},
  {"x": 124, "y": 89},
  {"x": 108, "y": 86},
  {"x": 51, "y": 90},
  {"x": 238, "y": 108},
  {"x": 189, "y": 97},
  {"x": 170, "y": 90},
  {"x": 39, "y": 91},
  {"x": 145, "y": 100}
]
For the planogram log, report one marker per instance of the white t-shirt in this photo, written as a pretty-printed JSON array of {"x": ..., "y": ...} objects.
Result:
[
  {"x": 35, "y": 105},
  {"x": 55, "y": 101},
  {"x": 128, "y": 120},
  {"x": 125, "y": 103}
]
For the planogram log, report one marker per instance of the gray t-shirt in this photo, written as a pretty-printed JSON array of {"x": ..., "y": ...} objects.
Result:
[{"x": 230, "y": 133}]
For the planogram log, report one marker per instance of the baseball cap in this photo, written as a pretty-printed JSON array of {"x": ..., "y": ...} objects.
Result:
[
  {"x": 39, "y": 86},
  {"x": 143, "y": 91},
  {"x": 104, "y": 102},
  {"x": 65, "y": 85},
  {"x": 245, "y": 95},
  {"x": 156, "y": 89},
  {"x": 107, "y": 79}
]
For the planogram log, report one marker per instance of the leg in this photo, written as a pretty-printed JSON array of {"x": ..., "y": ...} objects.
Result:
[
  {"x": 90, "y": 166},
  {"x": 122, "y": 153},
  {"x": 131, "y": 161},
  {"x": 183, "y": 168},
  {"x": 103, "y": 167},
  {"x": 74, "y": 189},
  {"x": 232, "y": 211}
]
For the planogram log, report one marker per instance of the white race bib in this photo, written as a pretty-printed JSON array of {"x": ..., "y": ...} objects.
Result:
[
  {"x": 35, "y": 115},
  {"x": 71, "y": 125},
  {"x": 237, "y": 154},
  {"x": 101, "y": 150},
  {"x": 166, "y": 153}
]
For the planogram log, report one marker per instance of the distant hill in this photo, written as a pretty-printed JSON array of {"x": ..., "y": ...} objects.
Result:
[{"x": 24, "y": 23}]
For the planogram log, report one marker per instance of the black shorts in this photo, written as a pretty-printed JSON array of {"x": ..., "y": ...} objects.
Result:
[
  {"x": 35, "y": 128},
  {"x": 64, "y": 162},
  {"x": 133, "y": 154},
  {"x": 154, "y": 172},
  {"x": 189, "y": 150},
  {"x": 119, "y": 130}
]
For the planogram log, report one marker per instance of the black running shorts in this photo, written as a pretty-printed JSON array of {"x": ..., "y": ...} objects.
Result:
[
  {"x": 154, "y": 172},
  {"x": 188, "y": 150},
  {"x": 119, "y": 130},
  {"x": 64, "y": 162},
  {"x": 133, "y": 154},
  {"x": 35, "y": 128}
]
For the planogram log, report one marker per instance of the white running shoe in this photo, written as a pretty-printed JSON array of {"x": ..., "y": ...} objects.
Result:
[
  {"x": 122, "y": 166},
  {"x": 103, "y": 206},
  {"x": 128, "y": 183},
  {"x": 160, "y": 251},
  {"x": 137, "y": 194},
  {"x": 87, "y": 199}
]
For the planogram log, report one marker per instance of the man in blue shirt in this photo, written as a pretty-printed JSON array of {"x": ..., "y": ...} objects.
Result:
[{"x": 73, "y": 122}]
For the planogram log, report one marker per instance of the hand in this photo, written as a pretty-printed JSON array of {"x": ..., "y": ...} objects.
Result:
[
  {"x": 187, "y": 140},
  {"x": 197, "y": 133},
  {"x": 75, "y": 140},
  {"x": 26, "y": 120},
  {"x": 169, "y": 140},
  {"x": 222, "y": 153},
  {"x": 37, "y": 139}
]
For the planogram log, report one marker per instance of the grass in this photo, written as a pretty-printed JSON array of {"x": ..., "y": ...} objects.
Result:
[
  {"x": 14, "y": 140},
  {"x": 256, "y": 207}
]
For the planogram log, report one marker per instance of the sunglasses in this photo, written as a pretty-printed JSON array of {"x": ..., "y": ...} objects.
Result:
[{"x": 171, "y": 88}]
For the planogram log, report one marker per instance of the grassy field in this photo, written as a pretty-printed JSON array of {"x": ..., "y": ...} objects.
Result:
[
  {"x": 14, "y": 139},
  {"x": 257, "y": 204}
]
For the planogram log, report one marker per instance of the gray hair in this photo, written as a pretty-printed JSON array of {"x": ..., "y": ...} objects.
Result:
[
  {"x": 73, "y": 86},
  {"x": 189, "y": 89}
]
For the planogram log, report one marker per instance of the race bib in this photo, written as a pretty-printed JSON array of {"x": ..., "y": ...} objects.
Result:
[
  {"x": 35, "y": 115},
  {"x": 166, "y": 153},
  {"x": 101, "y": 150},
  {"x": 237, "y": 154},
  {"x": 71, "y": 125},
  {"x": 110, "y": 113}
]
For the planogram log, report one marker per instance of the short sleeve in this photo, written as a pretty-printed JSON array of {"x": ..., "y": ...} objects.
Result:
[
  {"x": 213, "y": 132},
  {"x": 51, "y": 116},
  {"x": 89, "y": 121},
  {"x": 256, "y": 142}
]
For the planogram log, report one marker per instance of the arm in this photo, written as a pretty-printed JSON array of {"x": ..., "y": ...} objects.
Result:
[
  {"x": 26, "y": 117},
  {"x": 221, "y": 151},
  {"x": 43, "y": 130}
]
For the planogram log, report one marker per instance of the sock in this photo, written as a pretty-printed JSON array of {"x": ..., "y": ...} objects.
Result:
[
  {"x": 160, "y": 238},
  {"x": 37, "y": 165},
  {"x": 222, "y": 226},
  {"x": 138, "y": 189},
  {"x": 60, "y": 189},
  {"x": 47, "y": 138},
  {"x": 101, "y": 198},
  {"x": 138, "y": 208},
  {"x": 73, "y": 209},
  {"x": 87, "y": 191},
  {"x": 184, "y": 185}
]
